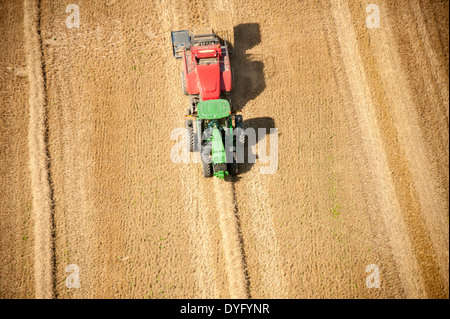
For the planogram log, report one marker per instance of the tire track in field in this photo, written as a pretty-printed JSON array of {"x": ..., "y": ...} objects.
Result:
[
  {"x": 266, "y": 243},
  {"x": 435, "y": 63},
  {"x": 427, "y": 225},
  {"x": 200, "y": 226},
  {"x": 231, "y": 239},
  {"x": 390, "y": 211},
  {"x": 39, "y": 161}
]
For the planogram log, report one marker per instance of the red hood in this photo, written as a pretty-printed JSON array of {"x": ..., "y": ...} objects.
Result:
[{"x": 209, "y": 81}]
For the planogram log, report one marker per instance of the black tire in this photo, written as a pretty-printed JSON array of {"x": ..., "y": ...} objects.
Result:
[
  {"x": 183, "y": 83},
  {"x": 233, "y": 166},
  {"x": 191, "y": 138},
  {"x": 206, "y": 160},
  {"x": 206, "y": 169},
  {"x": 239, "y": 123}
]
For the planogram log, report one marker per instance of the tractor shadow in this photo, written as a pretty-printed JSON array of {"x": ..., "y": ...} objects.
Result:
[
  {"x": 249, "y": 82},
  {"x": 248, "y": 73},
  {"x": 250, "y": 150}
]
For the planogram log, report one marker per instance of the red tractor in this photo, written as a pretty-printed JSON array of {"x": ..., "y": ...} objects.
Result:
[{"x": 206, "y": 73}]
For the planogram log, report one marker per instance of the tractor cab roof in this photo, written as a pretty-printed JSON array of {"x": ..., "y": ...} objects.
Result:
[{"x": 213, "y": 109}]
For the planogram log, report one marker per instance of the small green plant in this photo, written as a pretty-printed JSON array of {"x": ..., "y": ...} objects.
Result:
[{"x": 336, "y": 210}]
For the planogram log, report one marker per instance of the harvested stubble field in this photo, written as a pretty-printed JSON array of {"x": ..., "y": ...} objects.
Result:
[{"x": 86, "y": 176}]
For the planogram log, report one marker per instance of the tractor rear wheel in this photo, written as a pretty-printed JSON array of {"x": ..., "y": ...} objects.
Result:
[
  {"x": 183, "y": 83},
  {"x": 239, "y": 123},
  {"x": 206, "y": 159},
  {"x": 233, "y": 166},
  {"x": 206, "y": 169},
  {"x": 191, "y": 139}
]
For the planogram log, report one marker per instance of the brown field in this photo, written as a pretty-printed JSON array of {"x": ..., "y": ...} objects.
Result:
[{"x": 86, "y": 177}]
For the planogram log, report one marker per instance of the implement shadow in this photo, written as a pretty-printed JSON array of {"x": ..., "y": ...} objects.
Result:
[{"x": 248, "y": 74}]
